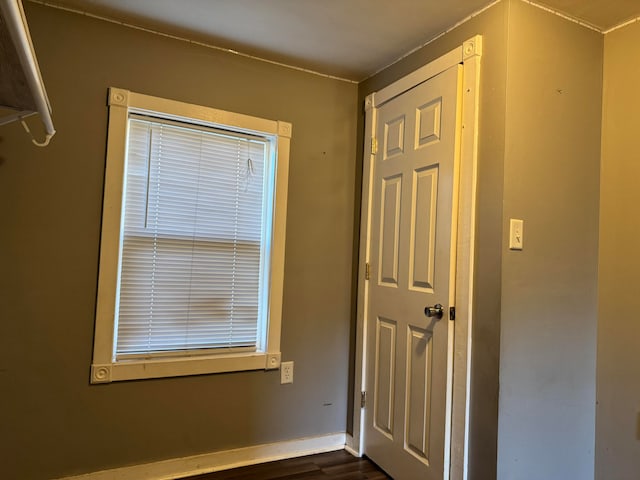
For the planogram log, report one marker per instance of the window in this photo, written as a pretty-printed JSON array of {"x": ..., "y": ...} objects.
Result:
[{"x": 192, "y": 246}]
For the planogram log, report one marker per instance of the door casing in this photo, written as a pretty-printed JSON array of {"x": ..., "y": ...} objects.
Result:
[{"x": 469, "y": 54}]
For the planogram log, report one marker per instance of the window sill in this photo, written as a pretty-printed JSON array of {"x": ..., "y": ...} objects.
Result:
[{"x": 177, "y": 367}]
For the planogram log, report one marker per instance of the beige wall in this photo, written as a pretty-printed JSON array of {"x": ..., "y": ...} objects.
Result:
[
  {"x": 618, "y": 393},
  {"x": 551, "y": 175},
  {"x": 492, "y": 25},
  {"x": 52, "y": 422}
]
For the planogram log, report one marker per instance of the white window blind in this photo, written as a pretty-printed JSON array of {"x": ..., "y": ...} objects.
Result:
[{"x": 194, "y": 236}]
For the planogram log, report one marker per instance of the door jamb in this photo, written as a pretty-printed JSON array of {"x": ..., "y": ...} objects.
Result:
[{"x": 469, "y": 55}]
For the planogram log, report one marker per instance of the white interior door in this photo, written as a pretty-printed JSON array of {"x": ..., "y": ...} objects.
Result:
[{"x": 412, "y": 266}]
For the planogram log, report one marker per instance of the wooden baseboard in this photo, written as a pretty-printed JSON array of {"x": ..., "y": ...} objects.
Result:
[{"x": 216, "y": 461}]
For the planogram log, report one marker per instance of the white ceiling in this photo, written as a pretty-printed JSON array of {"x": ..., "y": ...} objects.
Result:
[{"x": 351, "y": 39}]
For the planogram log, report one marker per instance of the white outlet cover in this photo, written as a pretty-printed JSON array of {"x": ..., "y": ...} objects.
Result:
[{"x": 286, "y": 372}]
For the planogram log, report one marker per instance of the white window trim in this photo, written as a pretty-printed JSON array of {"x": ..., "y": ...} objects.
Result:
[{"x": 104, "y": 368}]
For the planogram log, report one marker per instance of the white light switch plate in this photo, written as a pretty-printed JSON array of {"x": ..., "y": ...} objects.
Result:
[{"x": 516, "y": 232}]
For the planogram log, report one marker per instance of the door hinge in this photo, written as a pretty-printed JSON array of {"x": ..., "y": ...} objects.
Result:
[
  {"x": 374, "y": 145},
  {"x": 452, "y": 313},
  {"x": 363, "y": 399},
  {"x": 367, "y": 271}
]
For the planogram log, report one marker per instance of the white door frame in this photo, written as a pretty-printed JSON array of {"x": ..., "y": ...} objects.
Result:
[{"x": 456, "y": 444}]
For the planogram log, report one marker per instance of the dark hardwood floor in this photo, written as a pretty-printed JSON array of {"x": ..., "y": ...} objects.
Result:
[{"x": 338, "y": 465}]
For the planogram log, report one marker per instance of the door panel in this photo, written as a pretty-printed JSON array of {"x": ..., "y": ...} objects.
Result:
[
  {"x": 423, "y": 229},
  {"x": 385, "y": 375},
  {"x": 390, "y": 230},
  {"x": 394, "y": 137},
  {"x": 413, "y": 217},
  {"x": 418, "y": 393},
  {"x": 428, "y": 124}
]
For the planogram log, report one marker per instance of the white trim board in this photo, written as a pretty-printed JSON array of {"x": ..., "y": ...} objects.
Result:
[
  {"x": 351, "y": 447},
  {"x": 224, "y": 460}
]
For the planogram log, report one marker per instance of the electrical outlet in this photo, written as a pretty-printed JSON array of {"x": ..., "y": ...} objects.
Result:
[{"x": 286, "y": 372}]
